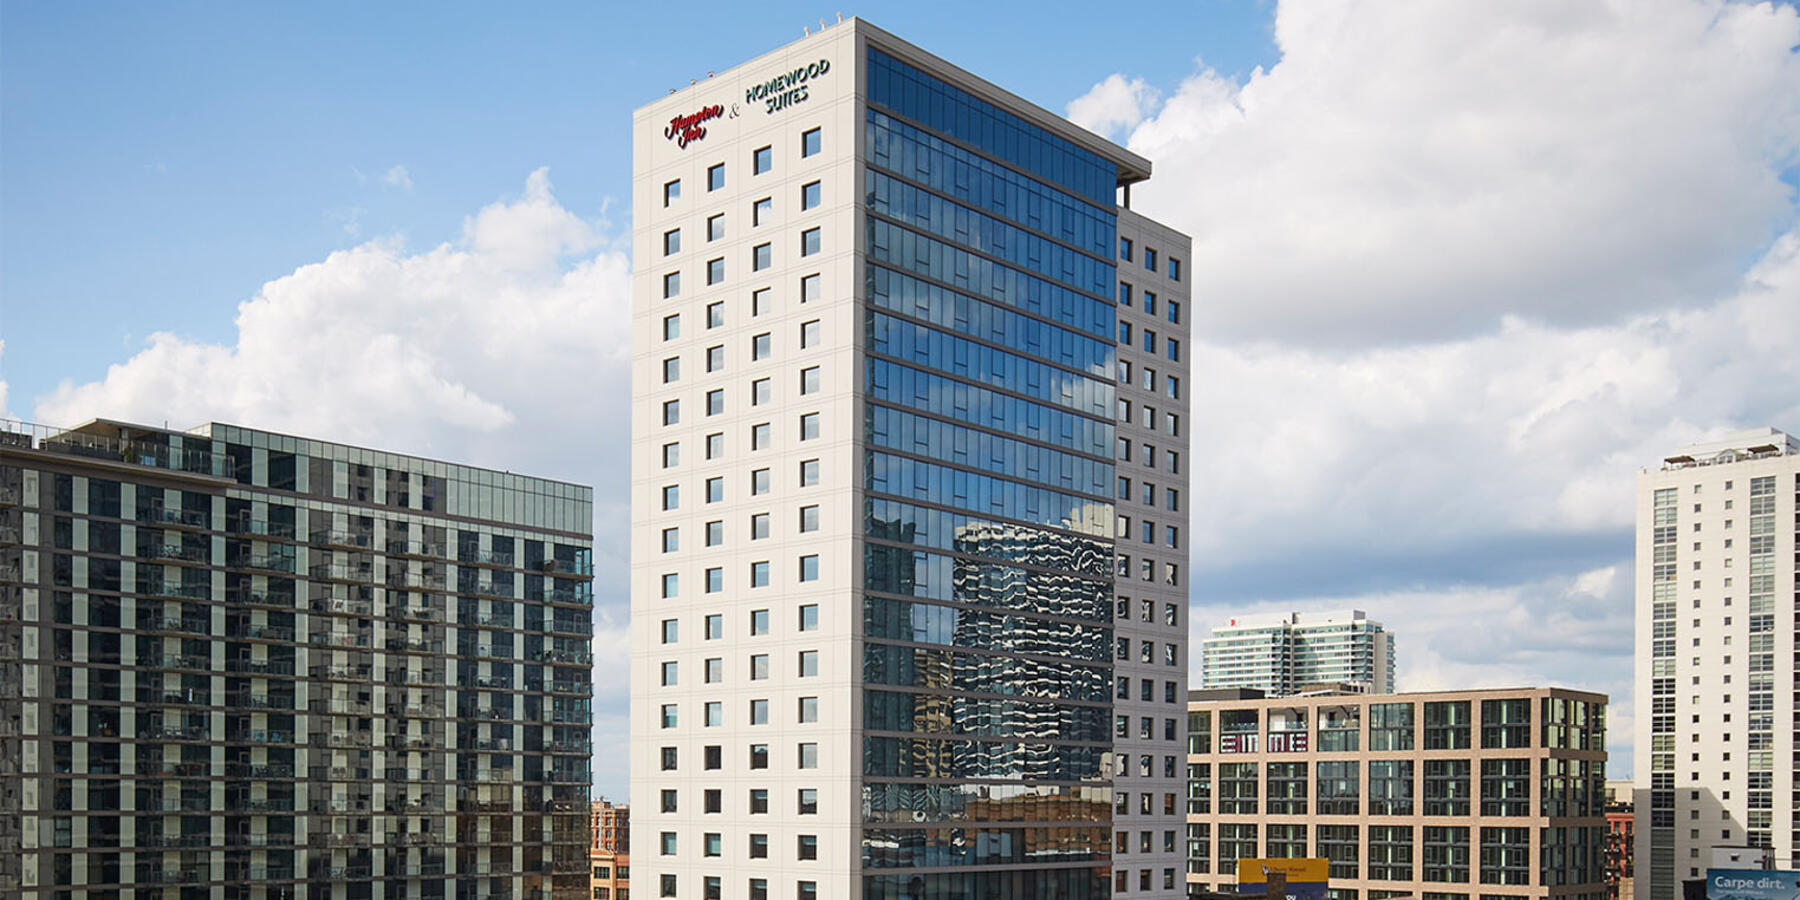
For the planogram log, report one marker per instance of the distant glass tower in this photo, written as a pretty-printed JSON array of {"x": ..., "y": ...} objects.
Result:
[
  {"x": 910, "y": 417},
  {"x": 1283, "y": 655},
  {"x": 248, "y": 665}
]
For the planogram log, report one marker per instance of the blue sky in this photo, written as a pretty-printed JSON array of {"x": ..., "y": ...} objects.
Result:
[
  {"x": 1460, "y": 270},
  {"x": 163, "y": 160}
]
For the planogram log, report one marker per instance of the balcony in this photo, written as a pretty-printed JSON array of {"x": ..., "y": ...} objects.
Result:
[
  {"x": 173, "y": 876},
  {"x": 575, "y": 688},
  {"x": 343, "y": 605},
  {"x": 172, "y": 733},
  {"x": 259, "y": 528},
  {"x": 147, "y": 453},
  {"x": 270, "y": 632},
  {"x": 347, "y": 641},
  {"x": 280, "y": 599},
  {"x": 415, "y": 549},
  {"x": 182, "y": 518},
  {"x": 176, "y": 552},
  {"x": 566, "y": 568},
  {"x": 344, "y": 540},
  {"x": 263, "y": 562},
  {"x": 260, "y": 667},
  {"x": 570, "y": 596},
  {"x": 573, "y": 657},
  {"x": 178, "y": 591},
  {"x": 486, "y": 558}
]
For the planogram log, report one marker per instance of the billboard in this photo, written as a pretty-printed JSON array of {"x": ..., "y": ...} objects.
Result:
[
  {"x": 1306, "y": 877},
  {"x": 1751, "y": 884}
]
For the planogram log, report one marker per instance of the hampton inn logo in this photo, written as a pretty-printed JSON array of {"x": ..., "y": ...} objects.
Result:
[
  {"x": 787, "y": 89},
  {"x": 684, "y": 130}
]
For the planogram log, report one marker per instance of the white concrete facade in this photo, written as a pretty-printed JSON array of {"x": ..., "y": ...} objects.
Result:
[
  {"x": 774, "y": 321},
  {"x": 1715, "y": 688},
  {"x": 1283, "y": 654}
]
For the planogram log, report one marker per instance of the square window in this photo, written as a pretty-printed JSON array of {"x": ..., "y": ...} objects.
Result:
[
  {"x": 809, "y": 380},
  {"x": 1174, "y": 349},
  {"x": 671, "y": 370},
  {"x": 762, "y": 160},
  {"x": 806, "y": 890},
  {"x": 671, "y": 672},
  {"x": 759, "y": 756},
  {"x": 1125, "y": 248},
  {"x": 759, "y": 666},
  {"x": 671, "y": 241},
  {"x": 671, "y": 455},
  {"x": 671, "y": 496},
  {"x": 671, "y": 192},
  {"x": 808, "y": 801},
  {"x": 715, "y": 533},
  {"x": 1150, "y": 258},
  {"x": 759, "y": 574},
  {"x": 759, "y": 712},
  {"x": 809, "y": 242},
  {"x": 715, "y": 445},
  {"x": 670, "y": 717},
  {"x": 713, "y": 673},
  {"x": 666, "y": 885},
  {"x": 809, "y": 663},
  {"x": 809, "y": 195},
  {"x": 715, "y": 270},
  {"x": 809, "y": 519},
  {"x": 809, "y": 710},
  {"x": 809, "y": 142},
  {"x": 711, "y": 844},
  {"x": 1174, "y": 269},
  {"x": 669, "y": 759},
  {"x": 809, "y": 568},
  {"x": 715, "y": 580},
  {"x": 671, "y": 630},
  {"x": 1149, "y": 303},
  {"x": 809, "y": 617},
  {"x": 713, "y": 800},
  {"x": 759, "y": 801},
  {"x": 810, "y": 287},
  {"x": 671, "y": 541},
  {"x": 759, "y": 526},
  {"x": 1174, "y": 312},
  {"x": 668, "y": 843},
  {"x": 715, "y": 177},
  {"x": 761, "y": 211},
  {"x": 715, "y": 715},
  {"x": 759, "y": 621},
  {"x": 715, "y": 358},
  {"x": 809, "y": 334},
  {"x": 671, "y": 327},
  {"x": 759, "y": 482},
  {"x": 760, "y": 391},
  {"x": 715, "y": 314},
  {"x": 759, "y": 436},
  {"x": 715, "y": 401},
  {"x": 715, "y": 489},
  {"x": 760, "y": 346},
  {"x": 759, "y": 302},
  {"x": 715, "y": 627},
  {"x": 761, "y": 257},
  {"x": 809, "y": 426},
  {"x": 1124, "y": 294},
  {"x": 715, "y": 227},
  {"x": 808, "y": 757},
  {"x": 809, "y": 472}
]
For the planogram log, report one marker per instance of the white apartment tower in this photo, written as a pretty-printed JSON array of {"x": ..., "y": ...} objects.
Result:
[
  {"x": 1717, "y": 610},
  {"x": 910, "y": 428},
  {"x": 1282, "y": 655}
]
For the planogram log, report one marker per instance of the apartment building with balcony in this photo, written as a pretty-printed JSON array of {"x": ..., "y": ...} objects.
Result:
[{"x": 242, "y": 664}]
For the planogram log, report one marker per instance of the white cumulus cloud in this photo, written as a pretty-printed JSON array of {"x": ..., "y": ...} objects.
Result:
[
  {"x": 398, "y": 177},
  {"x": 1418, "y": 170},
  {"x": 1113, "y": 105}
]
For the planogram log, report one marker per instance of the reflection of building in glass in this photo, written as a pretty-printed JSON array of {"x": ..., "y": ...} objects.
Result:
[
  {"x": 235, "y": 663},
  {"x": 897, "y": 342},
  {"x": 1498, "y": 793},
  {"x": 1717, "y": 600},
  {"x": 1295, "y": 652}
]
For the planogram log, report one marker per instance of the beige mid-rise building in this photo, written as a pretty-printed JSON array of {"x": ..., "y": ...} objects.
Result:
[{"x": 1456, "y": 795}]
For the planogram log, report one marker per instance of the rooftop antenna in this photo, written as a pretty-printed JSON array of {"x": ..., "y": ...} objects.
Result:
[
  {"x": 821, "y": 24},
  {"x": 840, "y": 18},
  {"x": 806, "y": 30}
]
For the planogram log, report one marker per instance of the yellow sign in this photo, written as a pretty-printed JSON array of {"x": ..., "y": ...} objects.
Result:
[{"x": 1256, "y": 871}]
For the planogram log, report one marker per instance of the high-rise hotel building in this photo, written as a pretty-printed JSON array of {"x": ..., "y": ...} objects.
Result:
[
  {"x": 909, "y": 477},
  {"x": 239, "y": 664},
  {"x": 1717, "y": 610}
]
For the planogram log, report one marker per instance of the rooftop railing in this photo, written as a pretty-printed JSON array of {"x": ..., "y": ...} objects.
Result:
[{"x": 48, "y": 439}]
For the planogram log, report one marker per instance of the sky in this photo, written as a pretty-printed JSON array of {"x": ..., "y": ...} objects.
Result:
[{"x": 1460, "y": 271}]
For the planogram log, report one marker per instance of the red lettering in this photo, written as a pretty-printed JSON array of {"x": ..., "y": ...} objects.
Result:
[{"x": 684, "y": 130}]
